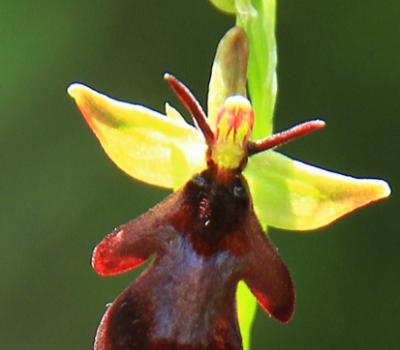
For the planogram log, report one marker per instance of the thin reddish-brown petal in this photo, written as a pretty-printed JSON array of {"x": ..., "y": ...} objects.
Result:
[
  {"x": 285, "y": 136},
  {"x": 192, "y": 105}
]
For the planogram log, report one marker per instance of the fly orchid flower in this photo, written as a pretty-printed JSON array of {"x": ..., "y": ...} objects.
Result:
[{"x": 208, "y": 235}]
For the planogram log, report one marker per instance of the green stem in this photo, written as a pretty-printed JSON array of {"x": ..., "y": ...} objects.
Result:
[{"x": 257, "y": 17}]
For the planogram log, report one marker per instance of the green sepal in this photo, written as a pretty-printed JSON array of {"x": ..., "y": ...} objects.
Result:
[
  {"x": 292, "y": 195},
  {"x": 229, "y": 70}
]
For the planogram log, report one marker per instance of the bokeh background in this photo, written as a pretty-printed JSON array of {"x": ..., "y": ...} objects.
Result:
[{"x": 60, "y": 194}]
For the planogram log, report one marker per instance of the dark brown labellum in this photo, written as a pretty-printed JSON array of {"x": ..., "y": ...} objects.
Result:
[{"x": 205, "y": 238}]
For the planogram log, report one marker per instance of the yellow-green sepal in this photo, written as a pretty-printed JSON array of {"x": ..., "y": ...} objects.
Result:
[
  {"x": 151, "y": 147},
  {"x": 229, "y": 71},
  {"x": 292, "y": 195}
]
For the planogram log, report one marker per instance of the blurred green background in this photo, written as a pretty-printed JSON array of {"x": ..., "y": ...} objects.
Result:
[{"x": 60, "y": 194}]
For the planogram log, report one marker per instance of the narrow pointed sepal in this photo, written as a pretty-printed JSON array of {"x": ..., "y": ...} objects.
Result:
[
  {"x": 292, "y": 195},
  {"x": 145, "y": 144}
]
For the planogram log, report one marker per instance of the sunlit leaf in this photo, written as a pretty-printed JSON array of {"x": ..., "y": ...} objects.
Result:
[
  {"x": 292, "y": 195},
  {"x": 147, "y": 145}
]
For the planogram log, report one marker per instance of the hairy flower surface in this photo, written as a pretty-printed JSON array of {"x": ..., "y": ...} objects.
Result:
[{"x": 207, "y": 236}]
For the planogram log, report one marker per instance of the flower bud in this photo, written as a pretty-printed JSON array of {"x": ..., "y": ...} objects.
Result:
[{"x": 224, "y": 5}]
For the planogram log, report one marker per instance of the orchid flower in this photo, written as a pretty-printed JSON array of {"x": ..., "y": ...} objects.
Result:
[{"x": 165, "y": 151}]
